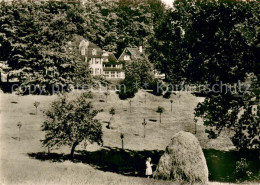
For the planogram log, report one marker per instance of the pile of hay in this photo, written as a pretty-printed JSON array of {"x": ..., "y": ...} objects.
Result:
[{"x": 183, "y": 161}]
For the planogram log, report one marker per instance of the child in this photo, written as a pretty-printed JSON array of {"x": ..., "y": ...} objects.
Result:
[{"x": 148, "y": 171}]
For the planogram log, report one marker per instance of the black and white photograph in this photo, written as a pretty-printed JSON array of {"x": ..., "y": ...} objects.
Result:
[{"x": 129, "y": 92}]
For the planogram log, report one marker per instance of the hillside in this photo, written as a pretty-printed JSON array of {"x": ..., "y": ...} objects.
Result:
[{"x": 18, "y": 165}]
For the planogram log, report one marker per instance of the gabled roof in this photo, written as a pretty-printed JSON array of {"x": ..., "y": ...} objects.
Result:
[
  {"x": 79, "y": 41},
  {"x": 134, "y": 53},
  {"x": 111, "y": 56}
]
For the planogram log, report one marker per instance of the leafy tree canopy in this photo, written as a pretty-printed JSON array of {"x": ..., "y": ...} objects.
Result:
[
  {"x": 71, "y": 122},
  {"x": 34, "y": 35},
  {"x": 214, "y": 42}
]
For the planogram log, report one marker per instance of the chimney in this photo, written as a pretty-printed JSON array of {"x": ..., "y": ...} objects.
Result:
[{"x": 141, "y": 49}]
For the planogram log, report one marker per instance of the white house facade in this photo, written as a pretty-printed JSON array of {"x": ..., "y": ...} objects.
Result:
[{"x": 101, "y": 62}]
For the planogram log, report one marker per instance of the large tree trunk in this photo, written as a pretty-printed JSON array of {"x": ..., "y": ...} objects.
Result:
[{"x": 73, "y": 149}]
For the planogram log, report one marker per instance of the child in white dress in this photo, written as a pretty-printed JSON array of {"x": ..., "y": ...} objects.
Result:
[{"x": 149, "y": 170}]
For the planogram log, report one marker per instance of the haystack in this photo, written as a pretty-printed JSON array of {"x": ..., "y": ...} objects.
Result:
[{"x": 183, "y": 161}]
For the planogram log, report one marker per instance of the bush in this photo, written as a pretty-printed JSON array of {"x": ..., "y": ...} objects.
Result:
[
  {"x": 168, "y": 92},
  {"x": 157, "y": 87},
  {"x": 242, "y": 173},
  {"x": 127, "y": 89}
]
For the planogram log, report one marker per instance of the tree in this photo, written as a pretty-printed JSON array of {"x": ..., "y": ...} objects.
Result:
[
  {"x": 106, "y": 95},
  {"x": 234, "y": 112},
  {"x": 34, "y": 37},
  {"x": 19, "y": 125},
  {"x": 36, "y": 105},
  {"x": 138, "y": 74},
  {"x": 171, "y": 104},
  {"x": 214, "y": 43},
  {"x": 122, "y": 136},
  {"x": 130, "y": 105},
  {"x": 144, "y": 123},
  {"x": 112, "y": 111},
  {"x": 127, "y": 89},
  {"x": 160, "y": 110},
  {"x": 140, "y": 70},
  {"x": 37, "y": 46},
  {"x": 70, "y": 122}
]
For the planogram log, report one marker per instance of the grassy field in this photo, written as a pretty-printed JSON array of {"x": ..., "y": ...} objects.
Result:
[{"x": 19, "y": 164}]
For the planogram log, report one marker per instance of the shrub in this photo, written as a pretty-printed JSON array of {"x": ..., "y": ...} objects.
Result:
[
  {"x": 241, "y": 171},
  {"x": 157, "y": 87},
  {"x": 127, "y": 89}
]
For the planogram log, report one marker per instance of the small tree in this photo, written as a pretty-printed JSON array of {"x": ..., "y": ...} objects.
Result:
[
  {"x": 160, "y": 110},
  {"x": 179, "y": 96},
  {"x": 122, "y": 139},
  {"x": 36, "y": 105},
  {"x": 144, "y": 123},
  {"x": 171, "y": 104},
  {"x": 112, "y": 111},
  {"x": 70, "y": 122},
  {"x": 242, "y": 171},
  {"x": 106, "y": 94},
  {"x": 19, "y": 125},
  {"x": 130, "y": 105}
]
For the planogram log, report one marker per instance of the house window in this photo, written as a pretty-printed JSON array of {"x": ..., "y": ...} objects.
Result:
[
  {"x": 126, "y": 57},
  {"x": 112, "y": 74},
  {"x": 94, "y": 52},
  {"x": 83, "y": 51},
  {"x": 97, "y": 60},
  {"x": 118, "y": 74},
  {"x": 97, "y": 71},
  {"x": 107, "y": 74}
]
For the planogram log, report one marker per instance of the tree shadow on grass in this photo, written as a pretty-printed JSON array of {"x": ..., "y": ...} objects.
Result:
[{"x": 125, "y": 162}]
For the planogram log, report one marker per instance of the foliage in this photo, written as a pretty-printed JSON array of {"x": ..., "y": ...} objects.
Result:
[
  {"x": 70, "y": 122},
  {"x": 242, "y": 171},
  {"x": 19, "y": 125},
  {"x": 112, "y": 111},
  {"x": 106, "y": 94},
  {"x": 34, "y": 37},
  {"x": 233, "y": 111},
  {"x": 160, "y": 110},
  {"x": 214, "y": 42},
  {"x": 217, "y": 38},
  {"x": 36, "y": 105},
  {"x": 138, "y": 74},
  {"x": 157, "y": 87},
  {"x": 127, "y": 89},
  {"x": 122, "y": 136},
  {"x": 140, "y": 71}
]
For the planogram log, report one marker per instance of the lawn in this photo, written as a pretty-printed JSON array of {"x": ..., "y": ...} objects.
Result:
[{"x": 27, "y": 162}]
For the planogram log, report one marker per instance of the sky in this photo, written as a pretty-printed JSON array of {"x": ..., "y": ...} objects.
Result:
[{"x": 168, "y": 2}]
